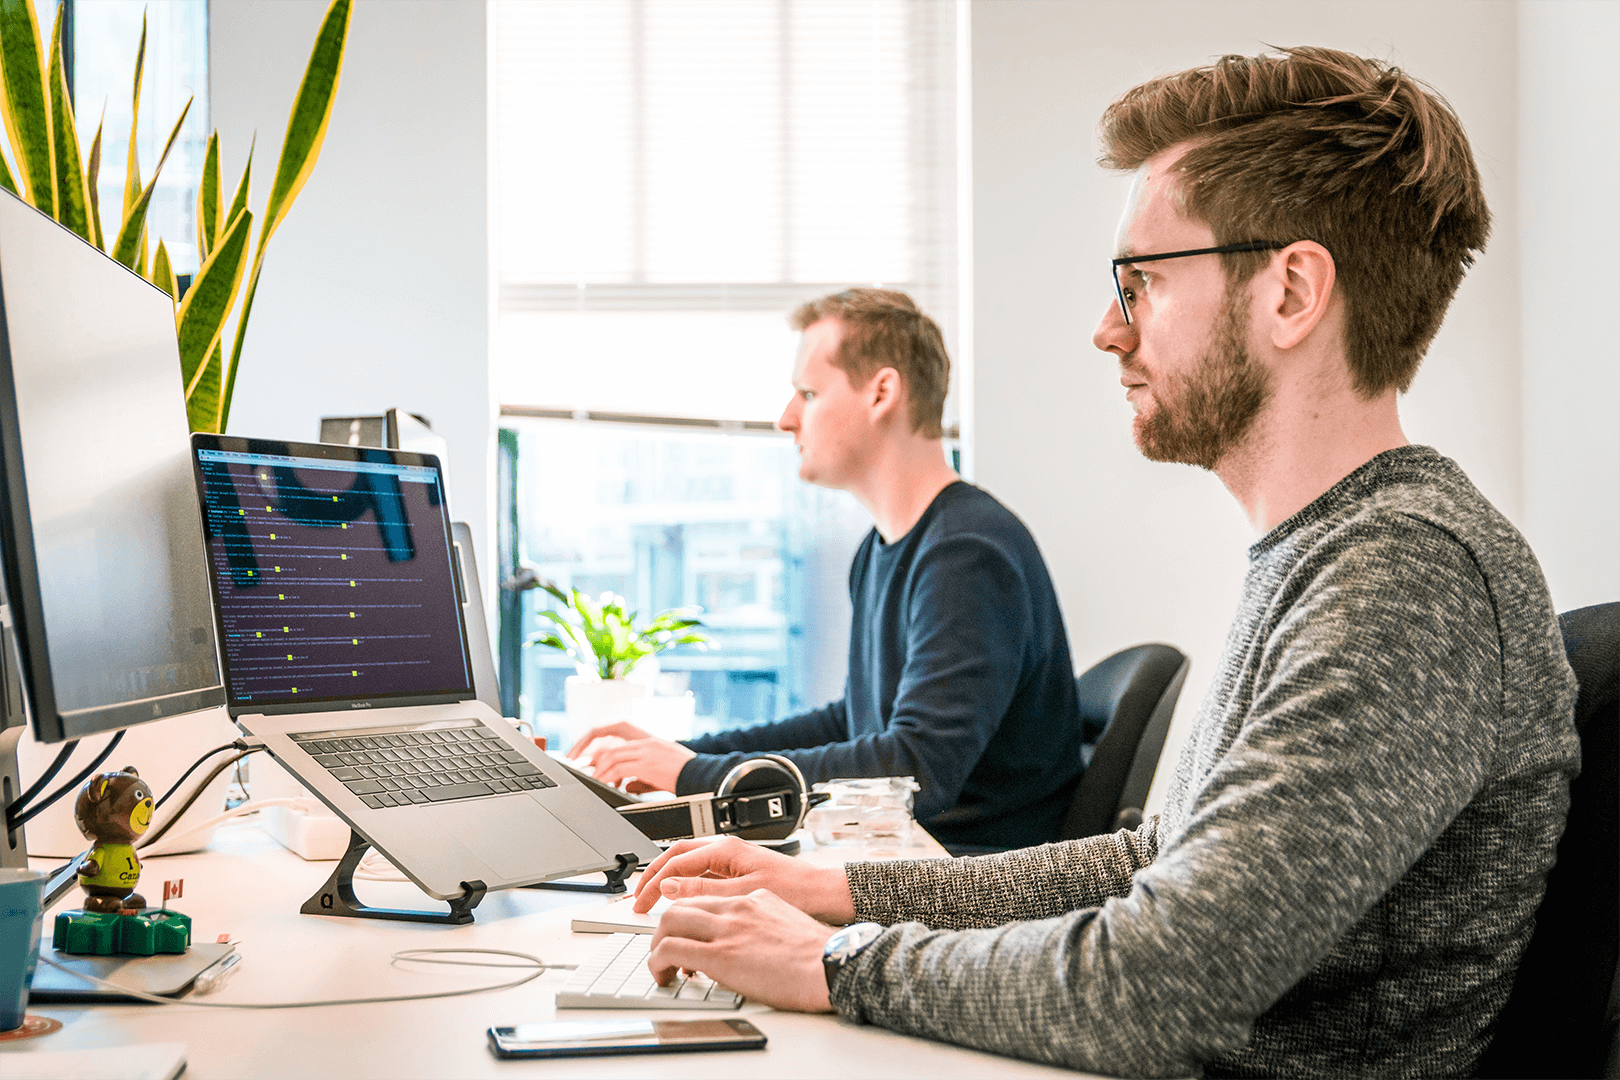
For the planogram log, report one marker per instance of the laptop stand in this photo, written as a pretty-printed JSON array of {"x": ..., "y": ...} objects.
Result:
[
  {"x": 337, "y": 896},
  {"x": 628, "y": 864}
]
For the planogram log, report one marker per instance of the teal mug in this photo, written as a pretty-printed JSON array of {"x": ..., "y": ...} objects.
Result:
[{"x": 21, "y": 918}]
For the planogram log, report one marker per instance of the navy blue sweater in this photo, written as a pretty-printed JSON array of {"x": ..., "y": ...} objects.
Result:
[{"x": 959, "y": 675}]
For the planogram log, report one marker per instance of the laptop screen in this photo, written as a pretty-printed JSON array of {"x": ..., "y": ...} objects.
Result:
[{"x": 332, "y": 575}]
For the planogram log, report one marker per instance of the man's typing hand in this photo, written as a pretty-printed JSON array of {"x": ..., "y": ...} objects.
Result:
[
  {"x": 627, "y": 732},
  {"x": 758, "y": 945},
  {"x": 731, "y": 867},
  {"x": 647, "y": 764}
]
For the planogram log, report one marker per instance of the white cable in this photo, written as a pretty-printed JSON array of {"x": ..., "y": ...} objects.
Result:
[
  {"x": 176, "y": 837},
  {"x": 407, "y": 955}
]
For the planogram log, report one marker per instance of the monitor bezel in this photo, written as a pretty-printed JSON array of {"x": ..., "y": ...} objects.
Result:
[
  {"x": 329, "y": 452},
  {"x": 21, "y": 572}
]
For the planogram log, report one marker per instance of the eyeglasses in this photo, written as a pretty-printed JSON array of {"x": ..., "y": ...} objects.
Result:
[{"x": 1127, "y": 296}]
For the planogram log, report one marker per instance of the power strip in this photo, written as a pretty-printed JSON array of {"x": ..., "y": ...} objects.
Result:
[{"x": 311, "y": 836}]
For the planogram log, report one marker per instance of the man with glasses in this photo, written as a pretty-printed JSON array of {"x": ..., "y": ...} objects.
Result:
[{"x": 1349, "y": 860}]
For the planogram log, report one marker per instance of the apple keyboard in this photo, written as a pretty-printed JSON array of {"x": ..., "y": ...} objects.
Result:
[{"x": 615, "y": 976}]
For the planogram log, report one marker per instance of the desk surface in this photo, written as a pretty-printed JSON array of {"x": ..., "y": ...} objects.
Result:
[{"x": 246, "y": 885}]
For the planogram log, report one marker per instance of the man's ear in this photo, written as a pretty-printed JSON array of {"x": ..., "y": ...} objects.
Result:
[
  {"x": 883, "y": 393},
  {"x": 1302, "y": 281}
]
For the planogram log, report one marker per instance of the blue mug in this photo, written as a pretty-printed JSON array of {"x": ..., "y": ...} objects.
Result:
[{"x": 21, "y": 918}]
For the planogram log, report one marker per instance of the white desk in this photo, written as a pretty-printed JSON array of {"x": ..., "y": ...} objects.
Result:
[{"x": 248, "y": 886}]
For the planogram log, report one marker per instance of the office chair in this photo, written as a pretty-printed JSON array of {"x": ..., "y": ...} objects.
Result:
[
  {"x": 1128, "y": 698},
  {"x": 1560, "y": 1019}
]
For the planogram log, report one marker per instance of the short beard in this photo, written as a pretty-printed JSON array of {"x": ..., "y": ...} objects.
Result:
[{"x": 1212, "y": 409}]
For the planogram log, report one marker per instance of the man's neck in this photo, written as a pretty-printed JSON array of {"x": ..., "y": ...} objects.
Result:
[
  {"x": 1300, "y": 448},
  {"x": 899, "y": 486}
]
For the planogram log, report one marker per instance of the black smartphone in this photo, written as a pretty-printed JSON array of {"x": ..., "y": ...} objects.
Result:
[{"x": 588, "y": 1038}]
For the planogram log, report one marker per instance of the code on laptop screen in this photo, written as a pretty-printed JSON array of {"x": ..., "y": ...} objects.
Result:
[{"x": 333, "y": 579}]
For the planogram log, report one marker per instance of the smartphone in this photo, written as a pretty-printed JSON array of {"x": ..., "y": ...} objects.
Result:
[{"x": 588, "y": 1038}]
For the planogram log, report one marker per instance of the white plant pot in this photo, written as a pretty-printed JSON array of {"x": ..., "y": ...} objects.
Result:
[{"x": 592, "y": 703}]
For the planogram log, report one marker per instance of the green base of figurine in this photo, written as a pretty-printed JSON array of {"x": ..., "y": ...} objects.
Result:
[{"x": 95, "y": 933}]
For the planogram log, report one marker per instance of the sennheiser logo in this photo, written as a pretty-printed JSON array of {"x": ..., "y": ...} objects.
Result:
[{"x": 775, "y": 807}]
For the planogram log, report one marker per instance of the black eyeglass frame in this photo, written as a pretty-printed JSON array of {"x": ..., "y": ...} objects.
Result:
[{"x": 1224, "y": 249}]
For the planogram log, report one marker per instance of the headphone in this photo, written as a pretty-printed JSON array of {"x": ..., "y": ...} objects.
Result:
[{"x": 763, "y": 798}]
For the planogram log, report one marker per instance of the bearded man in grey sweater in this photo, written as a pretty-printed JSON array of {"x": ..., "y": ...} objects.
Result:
[{"x": 1348, "y": 864}]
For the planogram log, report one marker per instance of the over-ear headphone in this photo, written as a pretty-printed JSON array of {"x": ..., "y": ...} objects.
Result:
[{"x": 763, "y": 798}]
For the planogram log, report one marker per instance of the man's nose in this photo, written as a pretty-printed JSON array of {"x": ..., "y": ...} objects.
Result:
[
  {"x": 788, "y": 421},
  {"x": 1113, "y": 333}
]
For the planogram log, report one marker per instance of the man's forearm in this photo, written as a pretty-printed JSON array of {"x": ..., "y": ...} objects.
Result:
[{"x": 989, "y": 890}]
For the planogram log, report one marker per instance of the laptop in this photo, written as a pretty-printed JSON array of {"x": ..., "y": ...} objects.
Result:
[{"x": 345, "y": 647}]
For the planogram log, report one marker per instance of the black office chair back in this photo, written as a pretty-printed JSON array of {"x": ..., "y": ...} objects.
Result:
[
  {"x": 1560, "y": 1018},
  {"x": 1128, "y": 698}
]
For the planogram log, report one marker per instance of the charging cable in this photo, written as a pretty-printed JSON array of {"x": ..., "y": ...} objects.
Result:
[{"x": 535, "y": 966}]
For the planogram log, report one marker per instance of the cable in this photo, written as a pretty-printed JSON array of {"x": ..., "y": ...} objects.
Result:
[
  {"x": 20, "y": 801},
  {"x": 196, "y": 793},
  {"x": 34, "y": 811},
  {"x": 406, "y": 955},
  {"x": 167, "y": 795}
]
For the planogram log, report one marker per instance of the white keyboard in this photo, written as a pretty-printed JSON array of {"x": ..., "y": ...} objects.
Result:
[{"x": 615, "y": 976}]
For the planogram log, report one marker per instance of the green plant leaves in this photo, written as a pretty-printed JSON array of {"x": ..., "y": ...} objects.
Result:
[
  {"x": 601, "y": 634},
  {"x": 72, "y": 203},
  {"x": 26, "y": 103},
  {"x": 131, "y": 243},
  {"x": 209, "y": 197},
  {"x": 92, "y": 174},
  {"x": 201, "y": 322},
  {"x": 163, "y": 272}
]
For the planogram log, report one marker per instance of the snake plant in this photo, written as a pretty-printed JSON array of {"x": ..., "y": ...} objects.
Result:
[{"x": 51, "y": 175}]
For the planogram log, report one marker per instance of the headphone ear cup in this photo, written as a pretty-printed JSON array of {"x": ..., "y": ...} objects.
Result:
[{"x": 769, "y": 772}]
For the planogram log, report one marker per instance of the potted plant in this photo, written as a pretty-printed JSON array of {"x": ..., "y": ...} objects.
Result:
[
  {"x": 607, "y": 647},
  {"x": 51, "y": 177}
]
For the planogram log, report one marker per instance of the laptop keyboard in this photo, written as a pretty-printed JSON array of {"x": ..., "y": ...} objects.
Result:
[
  {"x": 399, "y": 766},
  {"x": 615, "y": 976}
]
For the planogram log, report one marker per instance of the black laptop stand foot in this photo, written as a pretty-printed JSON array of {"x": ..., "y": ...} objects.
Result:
[
  {"x": 614, "y": 883},
  {"x": 337, "y": 896}
]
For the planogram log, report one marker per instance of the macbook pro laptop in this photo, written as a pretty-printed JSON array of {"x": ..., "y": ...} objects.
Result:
[{"x": 345, "y": 647}]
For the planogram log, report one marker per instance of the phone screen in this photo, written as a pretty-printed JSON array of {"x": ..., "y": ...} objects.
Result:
[{"x": 574, "y": 1038}]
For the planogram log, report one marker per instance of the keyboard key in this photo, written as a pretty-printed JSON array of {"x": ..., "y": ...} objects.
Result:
[
  {"x": 364, "y": 787},
  {"x": 615, "y": 976}
]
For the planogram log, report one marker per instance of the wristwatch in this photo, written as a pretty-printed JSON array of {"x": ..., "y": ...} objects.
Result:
[{"x": 845, "y": 945}]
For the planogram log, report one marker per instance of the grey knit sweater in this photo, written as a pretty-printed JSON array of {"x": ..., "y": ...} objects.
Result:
[{"x": 1353, "y": 846}]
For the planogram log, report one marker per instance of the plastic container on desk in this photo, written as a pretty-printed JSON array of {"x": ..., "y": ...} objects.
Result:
[{"x": 864, "y": 811}]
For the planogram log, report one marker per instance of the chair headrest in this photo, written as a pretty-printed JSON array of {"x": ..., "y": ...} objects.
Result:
[{"x": 1592, "y": 642}]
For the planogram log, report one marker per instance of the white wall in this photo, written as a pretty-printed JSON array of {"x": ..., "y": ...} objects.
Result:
[
  {"x": 1144, "y": 551},
  {"x": 1569, "y": 229},
  {"x": 375, "y": 289}
]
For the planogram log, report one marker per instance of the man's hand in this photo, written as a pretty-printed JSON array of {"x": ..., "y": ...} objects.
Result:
[
  {"x": 731, "y": 867},
  {"x": 655, "y": 764},
  {"x": 758, "y": 945},
  {"x": 621, "y": 730}
]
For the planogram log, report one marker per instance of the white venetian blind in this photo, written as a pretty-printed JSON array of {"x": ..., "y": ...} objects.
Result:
[{"x": 674, "y": 176}]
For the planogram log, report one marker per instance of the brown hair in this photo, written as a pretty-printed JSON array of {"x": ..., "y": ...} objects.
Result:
[
  {"x": 1316, "y": 144},
  {"x": 884, "y": 328}
]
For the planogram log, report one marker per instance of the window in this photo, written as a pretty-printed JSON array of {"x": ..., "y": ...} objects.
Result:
[
  {"x": 673, "y": 178},
  {"x": 106, "y": 34}
]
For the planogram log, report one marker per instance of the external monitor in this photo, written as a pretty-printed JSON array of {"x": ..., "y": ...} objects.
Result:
[{"x": 107, "y": 612}]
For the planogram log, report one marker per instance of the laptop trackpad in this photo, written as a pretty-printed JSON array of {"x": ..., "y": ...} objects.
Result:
[{"x": 514, "y": 835}]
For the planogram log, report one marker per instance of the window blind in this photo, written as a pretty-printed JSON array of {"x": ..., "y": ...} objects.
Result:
[{"x": 674, "y": 176}]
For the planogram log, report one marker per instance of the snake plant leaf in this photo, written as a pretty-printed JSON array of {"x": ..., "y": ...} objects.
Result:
[
  {"x": 131, "y": 242},
  {"x": 306, "y": 131},
  {"x": 240, "y": 201},
  {"x": 132, "y": 165},
  {"x": 311, "y": 112},
  {"x": 209, "y": 197},
  {"x": 201, "y": 319},
  {"x": 27, "y": 102},
  {"x": 163, "y": 273},
  {"x": 5, "y": 175},
  {"x": 92, "y": 176},
  {"x": 202, "y": 407},
  {"x": 72, "y": 203}
]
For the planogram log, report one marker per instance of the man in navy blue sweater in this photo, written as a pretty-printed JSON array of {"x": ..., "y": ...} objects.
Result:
[{"x": 959, "y": 669}]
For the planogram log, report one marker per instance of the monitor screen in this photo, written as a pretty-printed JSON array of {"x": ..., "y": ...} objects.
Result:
[
  {"x": 332, "y": 569},
  {"x": 101, "y": 535}
]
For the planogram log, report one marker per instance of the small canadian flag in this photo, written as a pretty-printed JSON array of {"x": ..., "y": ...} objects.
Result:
[{"x": 172, "y": 890}]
